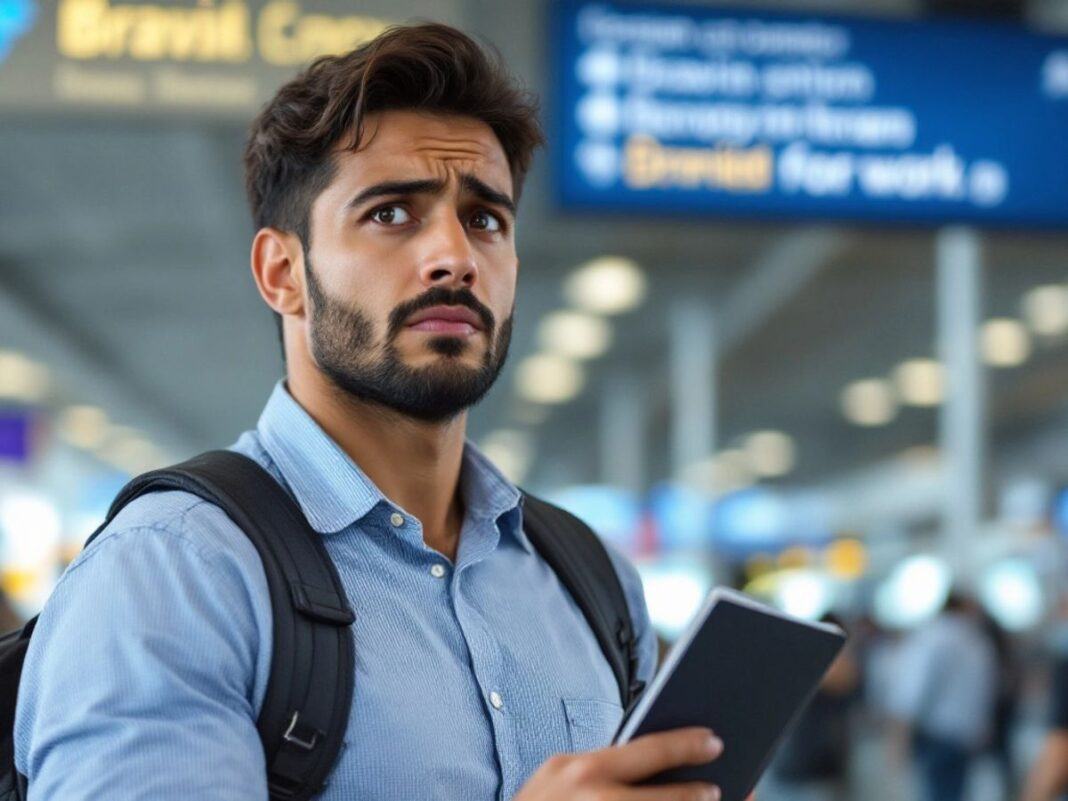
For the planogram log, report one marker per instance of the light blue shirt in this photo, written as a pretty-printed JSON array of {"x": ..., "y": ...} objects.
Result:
[
  {"x": 947, "y": 680},
  {"x": 148, "y": 667}
]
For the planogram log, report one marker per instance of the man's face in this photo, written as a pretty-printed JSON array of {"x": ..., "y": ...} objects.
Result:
[{"x": 412, "y": 267}]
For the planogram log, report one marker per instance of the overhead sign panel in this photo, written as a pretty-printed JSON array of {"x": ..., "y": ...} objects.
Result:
[
  {"x": 215, "y": 58},
  {"x": 699, "y": 111}
]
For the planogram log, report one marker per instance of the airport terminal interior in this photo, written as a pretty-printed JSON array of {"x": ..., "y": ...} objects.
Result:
[{"x": 836, "y": 402}]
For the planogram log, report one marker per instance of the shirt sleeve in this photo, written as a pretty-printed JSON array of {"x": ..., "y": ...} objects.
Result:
[
  {"x": 648, "y": 647},
  {"x": 141, "y": 679},
  {"x": 914, "y": 671}
]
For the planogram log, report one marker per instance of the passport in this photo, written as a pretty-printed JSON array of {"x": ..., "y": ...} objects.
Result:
[{"x": 744, "y": 670}]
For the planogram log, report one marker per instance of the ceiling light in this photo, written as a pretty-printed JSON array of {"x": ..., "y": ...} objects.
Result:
[
  {"x": 869, "y": 402},
  {"x": 674, "y": 590},
  {"x": 83, "y": 426},
  {"x": 22, "y": 379},
  {"x": 1046, "y": 309},
  {"x": 30, "y": 539},
  {"x": 770, "y": 454},
  {"x": 914, "y": 592},
  {"x": 607, "y": 285},
  {"x": 30, "y": 528},
  {"x": 920, "y": 382},
  {"x": 920, "y": 454},
  {"x": 575, "y": 334},
  {"x": 544, "y": 378},
  {"x": 1012, "y": 592},
  {"x": 531, "y": 414},
  {"x": 728, "y": 471},
  {"x": 1004, "y": 342},
  {"x": 804, "y": 593},
  {"x": 130, "y": 451}
]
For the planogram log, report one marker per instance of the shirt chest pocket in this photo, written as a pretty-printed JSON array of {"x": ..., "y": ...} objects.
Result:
[{"x": 591, "y": 722}]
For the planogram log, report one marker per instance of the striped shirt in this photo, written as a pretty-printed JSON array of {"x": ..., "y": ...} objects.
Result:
[{"x": 149, "y": 664}]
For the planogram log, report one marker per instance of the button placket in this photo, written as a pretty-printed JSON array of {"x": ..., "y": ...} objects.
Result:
[{"x": 492, "y": 679}]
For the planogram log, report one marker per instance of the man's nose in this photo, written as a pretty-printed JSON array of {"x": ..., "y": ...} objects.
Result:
[{"x": 450, "y": 259}]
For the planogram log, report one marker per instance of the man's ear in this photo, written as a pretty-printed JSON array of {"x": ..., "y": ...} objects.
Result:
[{"x": 277, "y": 261}]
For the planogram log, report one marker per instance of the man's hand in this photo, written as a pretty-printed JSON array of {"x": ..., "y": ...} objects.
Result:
[{"x": 609, "y": 774}]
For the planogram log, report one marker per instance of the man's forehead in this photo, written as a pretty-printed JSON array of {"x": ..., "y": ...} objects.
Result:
[{"x": 408, "y": 144}]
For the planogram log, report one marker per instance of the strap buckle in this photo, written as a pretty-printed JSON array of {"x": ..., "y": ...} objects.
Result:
[{"x": 305, "y": 737}]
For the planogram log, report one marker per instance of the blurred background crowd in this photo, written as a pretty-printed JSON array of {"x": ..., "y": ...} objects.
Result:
[{"x": 792, "y": 317}]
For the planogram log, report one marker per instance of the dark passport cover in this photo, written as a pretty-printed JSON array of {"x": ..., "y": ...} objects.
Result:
[{"x": 746, "y": 672}]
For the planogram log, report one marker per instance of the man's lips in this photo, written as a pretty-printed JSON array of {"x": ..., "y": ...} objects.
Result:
[{"x": 446, "y": 320}]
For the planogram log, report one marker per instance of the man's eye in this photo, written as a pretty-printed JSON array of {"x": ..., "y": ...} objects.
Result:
[
  {"x": 391, "y": 215},
  {"x": 485, "y": 221}
]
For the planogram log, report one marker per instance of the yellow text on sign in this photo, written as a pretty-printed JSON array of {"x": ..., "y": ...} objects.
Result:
[
  {"x": 210, "y": 33},
  {"x": 647, "y": 164},
  {"x": 283, "y": 34}
]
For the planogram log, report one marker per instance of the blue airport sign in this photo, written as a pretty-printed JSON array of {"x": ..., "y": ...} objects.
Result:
[{"x": 700, "y": 111}]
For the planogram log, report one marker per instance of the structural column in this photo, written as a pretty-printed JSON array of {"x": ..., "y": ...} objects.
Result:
[
  {"x": 624, "y": 413},
  {"x": 963, "y": 415},
  {"x": 693, "y": 383}
]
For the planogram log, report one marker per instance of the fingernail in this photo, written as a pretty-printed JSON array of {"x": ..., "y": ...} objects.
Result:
[
  {"x": 712, "y": 793},
  {"x": 714, "y": 746}
]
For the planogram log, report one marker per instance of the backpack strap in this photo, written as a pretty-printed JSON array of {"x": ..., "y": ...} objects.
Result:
[
  {"x": 580, "y": 560},
  {"x": 309, "y": 692}
]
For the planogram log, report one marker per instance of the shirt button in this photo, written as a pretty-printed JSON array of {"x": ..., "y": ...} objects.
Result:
[
  {"x": 437, "y": 571},
  {"x": 496, "y": 700},
  {"x": 397, "y": 519}
]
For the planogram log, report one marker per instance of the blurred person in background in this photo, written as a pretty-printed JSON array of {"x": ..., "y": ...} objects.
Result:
[
  {"x": 813, "y": 764},
  {"x": 945, "y": 696},
  {"x": 875, "y": 649},
  {"x": 1005, "y": 706}
]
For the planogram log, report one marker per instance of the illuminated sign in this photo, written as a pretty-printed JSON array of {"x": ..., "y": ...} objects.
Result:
[
  {"x": 219, "y": 57},
  {"x": 16, "y": 18},
  {"x": 672, "y": 110},
  {"x": 16, "y": 436},
  {"x": 281, "y": 32}
]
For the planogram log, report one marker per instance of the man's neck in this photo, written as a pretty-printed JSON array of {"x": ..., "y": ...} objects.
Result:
[{"x": 413, "y": 463}]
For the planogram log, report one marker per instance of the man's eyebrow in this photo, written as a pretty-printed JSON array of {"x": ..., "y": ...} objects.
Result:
[
  {"x": 487, "y": 193},
  {"x": 426, "y": 186}
]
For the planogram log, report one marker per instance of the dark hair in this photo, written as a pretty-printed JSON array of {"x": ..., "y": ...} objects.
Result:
[{"x": 430, "y": 66}]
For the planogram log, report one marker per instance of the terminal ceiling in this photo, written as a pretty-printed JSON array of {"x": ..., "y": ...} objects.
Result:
[{"x": 124, "y": 250}]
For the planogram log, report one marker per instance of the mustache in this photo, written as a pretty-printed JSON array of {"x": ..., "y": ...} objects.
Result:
[{"x": 440, "y": 296}]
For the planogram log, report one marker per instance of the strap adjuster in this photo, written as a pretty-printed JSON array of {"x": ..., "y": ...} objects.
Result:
[
  {"x": 322, "y": 605},
  {"x": 306, "y": 737}
]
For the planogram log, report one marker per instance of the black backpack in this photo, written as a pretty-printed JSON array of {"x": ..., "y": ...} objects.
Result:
[{"x": 303, "y": 721}]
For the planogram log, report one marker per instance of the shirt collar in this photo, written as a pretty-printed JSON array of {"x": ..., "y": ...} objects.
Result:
[
  {"x": 333, "y": 492},
  {"x": 489, "y": 495}
]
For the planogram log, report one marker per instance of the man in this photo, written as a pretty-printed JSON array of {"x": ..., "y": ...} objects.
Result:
[
  {"x": 384, "y": 185},
  {"x": 944, "y": 696}
]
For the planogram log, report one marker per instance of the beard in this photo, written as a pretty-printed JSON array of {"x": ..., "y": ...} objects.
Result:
[{"x": 343, "y": 346}]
